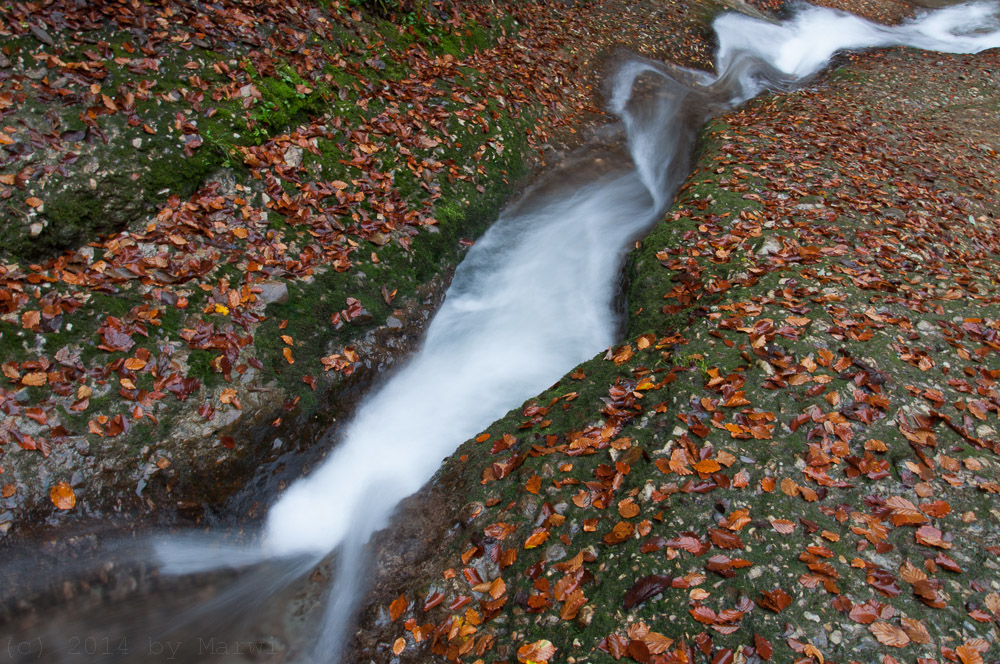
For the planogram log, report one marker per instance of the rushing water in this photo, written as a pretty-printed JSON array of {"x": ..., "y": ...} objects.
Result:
[{"x": 533, "y": 298}]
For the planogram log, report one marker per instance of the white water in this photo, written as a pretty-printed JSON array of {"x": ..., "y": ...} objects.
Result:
[{"x": 534, "y": 296}]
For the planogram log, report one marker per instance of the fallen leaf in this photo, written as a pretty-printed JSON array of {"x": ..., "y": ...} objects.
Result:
[
  {"x": 538, "y": 651},
  {"x": 889, "y": 635},
  {"x": 62, "y": 496}
]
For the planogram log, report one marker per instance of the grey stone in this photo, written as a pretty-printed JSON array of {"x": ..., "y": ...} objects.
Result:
[
  {"x": 770, "y": 247},
  {"x": 273, "y": 291},
  {"x": 293, "y": 156}
]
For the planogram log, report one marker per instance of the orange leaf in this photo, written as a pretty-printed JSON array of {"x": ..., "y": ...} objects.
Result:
[
  {"x": 536, "y": 538},
  {"x": 936, "y": 509},
  {"x": 707, "y": 466},
  {"x": 287, "y": 352},
  {"x": 397, "y": 607},
  {"x": 35, "y": 378},
  {"x": 62, "y": 496},
  {"x": 533, "y": 484},
  {"x": 889, "y": 635},
  {"x": 573, "y": 604},
  {"x": 30, "y": 319},
  {"x": 628, "y": 508},
  {"x": 539, "y": 651},
  {"x": 621, "y": 532},
  {"x": 497, "y": 588},
  {"x": 134, "y": 364},
  {"x": 33, "y": 201},
  {"x": 968, "y": 654},
  {"x": 398, "y": 646}
]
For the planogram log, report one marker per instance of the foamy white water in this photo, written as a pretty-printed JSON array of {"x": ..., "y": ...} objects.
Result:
[
  {"x": 803, "y": 45},
  {"x": 534, "y": 296}
]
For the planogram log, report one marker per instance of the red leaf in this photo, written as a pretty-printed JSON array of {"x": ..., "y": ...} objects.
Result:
[{"x": 763, "y": 646}]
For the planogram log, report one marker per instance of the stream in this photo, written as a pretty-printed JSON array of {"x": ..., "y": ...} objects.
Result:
[{"x": 535, "y": 296}]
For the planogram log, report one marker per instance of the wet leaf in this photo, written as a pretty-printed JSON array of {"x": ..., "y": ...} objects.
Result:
[{"x": 62, "y": 496}]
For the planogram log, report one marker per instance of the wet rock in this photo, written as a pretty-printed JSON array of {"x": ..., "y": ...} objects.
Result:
[{"x": 393, "y": 323}]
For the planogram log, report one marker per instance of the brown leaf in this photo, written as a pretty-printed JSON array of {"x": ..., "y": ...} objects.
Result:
[
  {"x": 621, "y": 532},
  {"x": 628, "y": 508},
  {"x": 572, "y": 605},
  {"x": 889, "y": 635},
  {"x": 646, "y": 587},
  {"x": 763, "y": 647},
  {"x": 638, "y": 651},
  {"x": 930, "y": 536},
  {"x": 538, "y": 651},
  {"x": 725, "y": 539},
  {"x": 31, "y": 319},
  {"x": 775, "y": 600},
  {"x": 703, "y": 614},
  {"x": 783, "y": 526},
  {"x": 864, "y": 613},
  {"x": 915, "y": 630},
  {"x": 911, "y": 573},
  {"x": 904, "y": 513}
]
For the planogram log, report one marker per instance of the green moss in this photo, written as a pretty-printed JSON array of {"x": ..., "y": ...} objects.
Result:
[
  {"x": 11, "y": 343},
  {"x": 200, "y": 366}
]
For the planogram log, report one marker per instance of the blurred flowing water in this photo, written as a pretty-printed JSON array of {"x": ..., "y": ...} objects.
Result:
[{"x": 534, "y": 297}]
